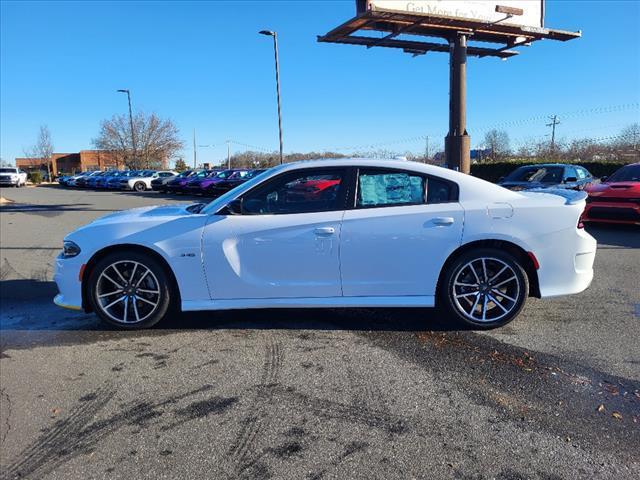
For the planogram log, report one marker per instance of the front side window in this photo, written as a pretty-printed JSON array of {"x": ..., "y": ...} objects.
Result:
[
  {"x": 297, "y": 192},
  {"x": 387, "y": 188}
]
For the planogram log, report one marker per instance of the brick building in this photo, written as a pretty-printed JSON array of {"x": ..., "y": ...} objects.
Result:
[{"x": 73, "y": 162}]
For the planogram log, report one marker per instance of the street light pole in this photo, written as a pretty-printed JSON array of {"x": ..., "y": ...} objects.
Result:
[
  {"x": 275, "y": 49},
  {"x": 229, "y": 155},
  {"x": 195, "y": 153},
  {"x": 133, "y": 137}
]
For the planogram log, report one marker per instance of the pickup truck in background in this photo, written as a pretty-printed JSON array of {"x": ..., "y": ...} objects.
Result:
[{"x": 10, "y": 176}]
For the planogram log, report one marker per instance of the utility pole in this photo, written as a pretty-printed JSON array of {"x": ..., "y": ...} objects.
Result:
[
  {"x": 426, "y": 151},
  {"x": 228, "y": 154},
  {"x": 195, "y": 154},
  {"x": 133, "y": 137},
  {"x": 554, "y": 122}
]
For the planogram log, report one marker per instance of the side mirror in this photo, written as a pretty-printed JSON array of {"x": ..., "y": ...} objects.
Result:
[
  {"x": 570, "y": 180},
  {"x": 500, "y": 179},
  {"x": 235, "y": 207}
]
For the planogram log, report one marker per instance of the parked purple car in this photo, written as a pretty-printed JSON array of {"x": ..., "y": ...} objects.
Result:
[
  {"x": 179, "y": 183},
  {"x": 199, "y": 186}
]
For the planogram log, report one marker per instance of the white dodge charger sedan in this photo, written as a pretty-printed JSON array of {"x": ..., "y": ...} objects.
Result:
[{"x": 334, "y": 233}]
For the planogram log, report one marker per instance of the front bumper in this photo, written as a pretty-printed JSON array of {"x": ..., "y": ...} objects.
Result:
[
  {"x": 67, "y": 279},
  {"x": 8, "y": 181},
  {"x": 610, "y": 212}
]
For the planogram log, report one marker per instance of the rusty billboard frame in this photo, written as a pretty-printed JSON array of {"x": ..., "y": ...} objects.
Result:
[{"x": 457, "y": 32}]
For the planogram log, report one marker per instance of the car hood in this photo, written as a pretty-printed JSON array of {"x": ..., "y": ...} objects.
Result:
[
  {"x": 143, "y": 213},
  {"x": 148, "y": 226},
  {"x": 615, "y": 189}
]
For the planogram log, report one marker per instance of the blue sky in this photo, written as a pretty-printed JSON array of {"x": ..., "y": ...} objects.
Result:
[{"x": 203, "y": 65}]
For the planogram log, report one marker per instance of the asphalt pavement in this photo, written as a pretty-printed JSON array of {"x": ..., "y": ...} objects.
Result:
[{"x": 310, "y": 394}]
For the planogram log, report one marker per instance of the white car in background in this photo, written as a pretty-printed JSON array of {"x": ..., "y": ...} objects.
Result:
[
  {"x": 142, "y": 182},
  {"x": 334, "y": 233},
  {"x": 11, "y": 176}
]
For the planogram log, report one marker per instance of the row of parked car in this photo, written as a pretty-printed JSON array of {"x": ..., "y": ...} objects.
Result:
[
  {"x": 213, "y": 182},
  {"x": 613, "y": 199}
]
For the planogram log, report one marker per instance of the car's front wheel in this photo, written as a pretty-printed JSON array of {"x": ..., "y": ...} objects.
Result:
[
  {"x": 130, "y": 290},
  {"x": 139, "y": 187},
  {"x": 484, "y": 288}
]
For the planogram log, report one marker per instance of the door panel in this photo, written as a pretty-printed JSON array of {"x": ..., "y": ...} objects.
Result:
[
  {"x": 273, "y": 256},
  {"x": 396, "y": 251}
]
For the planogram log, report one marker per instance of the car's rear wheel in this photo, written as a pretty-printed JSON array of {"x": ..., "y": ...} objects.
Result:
[
  {"x": 130, "y": 290},
  {"x": 484, "y": 288},
  {"x": 139, "y": 187}
]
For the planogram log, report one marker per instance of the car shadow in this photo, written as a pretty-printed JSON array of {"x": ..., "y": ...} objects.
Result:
[
  {"x": 616, "y": 235},
  {"x": 179, "y": 197},
  {"x": 51, "y": 208},
  {"x": 33, "y": 300}
]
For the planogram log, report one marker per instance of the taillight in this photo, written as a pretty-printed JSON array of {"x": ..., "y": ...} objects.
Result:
[{"x": 580, "y": 223}]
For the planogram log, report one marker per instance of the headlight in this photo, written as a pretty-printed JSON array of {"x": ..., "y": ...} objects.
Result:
[{"x": 70, "y": 249}]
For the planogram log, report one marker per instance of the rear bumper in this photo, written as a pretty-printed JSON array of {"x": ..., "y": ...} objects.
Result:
[
  {"x": 609, "y": 212},
  {"x": 566, "y": 263}
]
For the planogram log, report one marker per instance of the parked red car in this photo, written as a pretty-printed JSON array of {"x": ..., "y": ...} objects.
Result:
[
  {"x": 313, "y": 188},
  {"x": 616, "y": 199}
]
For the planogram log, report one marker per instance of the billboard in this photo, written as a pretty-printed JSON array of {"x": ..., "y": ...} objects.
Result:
[{"x": 505, "y": 12}]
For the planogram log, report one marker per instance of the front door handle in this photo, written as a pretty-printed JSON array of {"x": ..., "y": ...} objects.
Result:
[
  {"x": 443, "y": 221},
  {"x": 324, "y": 231}
]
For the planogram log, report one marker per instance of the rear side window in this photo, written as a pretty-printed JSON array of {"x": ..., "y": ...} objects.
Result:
[{"x": 388, "y": 188}]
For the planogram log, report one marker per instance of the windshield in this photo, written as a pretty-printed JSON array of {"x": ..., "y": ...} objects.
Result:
[
  {"x": 7, "y": 170},
  {"x": 225, "y": 174},
  {"x": 224, "y": 199},
  {"x": 544, "y": 174},
  {"x": 629, "y": 173},
  {"x": 185, "y": 174}
]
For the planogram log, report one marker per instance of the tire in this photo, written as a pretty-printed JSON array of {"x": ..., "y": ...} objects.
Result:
[
  {"x": 139, "y": 187},
  {"x": 475, "y": 302},
  {"x": 144, "y": 301}
]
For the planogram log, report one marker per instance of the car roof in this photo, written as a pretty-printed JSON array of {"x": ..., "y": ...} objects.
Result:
[
  {"x": 549, "y": 165},
  {"x": 470, "y": 187}
]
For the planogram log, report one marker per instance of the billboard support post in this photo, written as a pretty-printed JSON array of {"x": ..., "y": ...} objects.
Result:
[{"x": 457, "y": 141}]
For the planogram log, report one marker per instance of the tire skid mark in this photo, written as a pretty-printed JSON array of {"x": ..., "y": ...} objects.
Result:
[
  {"x": 5, "y": 404},
  {"x": 376, "y": 418},
  {"x": 80, "y": 434},
  {"x": 243, "y": 450},
  {"x": 51, "y": 449}
]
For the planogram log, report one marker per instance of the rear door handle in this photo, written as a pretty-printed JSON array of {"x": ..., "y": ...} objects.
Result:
[
  {"x": 324, "y": 231},
  {"x": 443, "y": 221}
]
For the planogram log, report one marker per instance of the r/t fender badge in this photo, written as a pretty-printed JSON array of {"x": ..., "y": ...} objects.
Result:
[{"x": 187, "y": 254}]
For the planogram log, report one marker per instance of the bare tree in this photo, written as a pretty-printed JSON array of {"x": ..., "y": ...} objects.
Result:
[
  {"x": 41, "y": 153},
  {"x": 497, "y": 142},
  {"x": 157, "y": 140}
]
